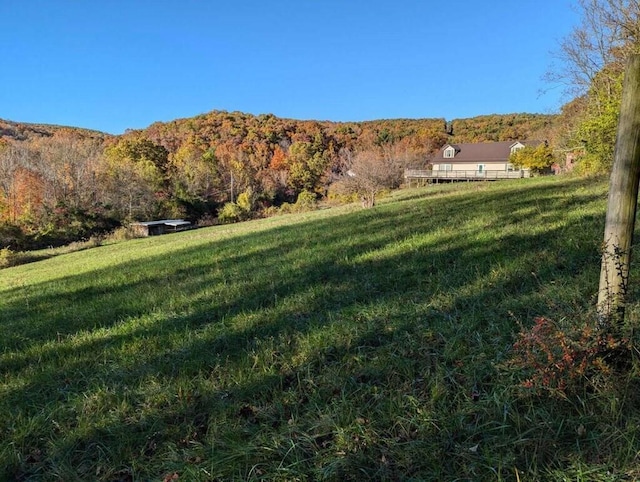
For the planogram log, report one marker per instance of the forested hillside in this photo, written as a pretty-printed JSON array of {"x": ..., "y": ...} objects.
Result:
[
  {"x": 59, "y": 184},
  {"x": 496, "y": 128}
]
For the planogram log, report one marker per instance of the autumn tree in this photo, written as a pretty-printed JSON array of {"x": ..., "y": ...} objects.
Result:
[
  {"x": 275, "y": 178},
  {"x": 72, "y": 195},
  {"x": 10, "y": 157},
  {"x": 592, "y": 59},
  {"x": 234, "y": 168},
  {"x": 536, "y": 158},
  {"x": 21, "y": 185},
  {"x": 48, "y": 189},
  {"x": 28, "y": 198}
]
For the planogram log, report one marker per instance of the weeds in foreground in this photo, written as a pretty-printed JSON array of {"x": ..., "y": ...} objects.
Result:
[{"x": 560, "y": 358}]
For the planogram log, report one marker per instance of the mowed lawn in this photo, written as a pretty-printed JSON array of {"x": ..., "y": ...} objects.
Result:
[{"x": 341, "y": 344}]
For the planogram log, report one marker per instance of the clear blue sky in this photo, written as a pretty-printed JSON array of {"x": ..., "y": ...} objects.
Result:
[{"x": 117, "y": 64}]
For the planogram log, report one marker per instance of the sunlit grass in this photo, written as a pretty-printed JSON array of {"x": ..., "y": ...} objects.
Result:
[{"x": 342, "y": 344}]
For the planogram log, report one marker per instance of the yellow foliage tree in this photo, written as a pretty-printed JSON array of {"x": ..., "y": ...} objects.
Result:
[{"x": 537, "y": 159}]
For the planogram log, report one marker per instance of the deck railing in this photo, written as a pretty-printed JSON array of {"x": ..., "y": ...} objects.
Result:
[{"x": 461, "y": 175}]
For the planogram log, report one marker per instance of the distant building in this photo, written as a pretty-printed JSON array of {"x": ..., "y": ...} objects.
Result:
[
  {"x": 480, "y": 157},
  {"x": 474, "y": 161},
  {"x": 164, "y": 226}
]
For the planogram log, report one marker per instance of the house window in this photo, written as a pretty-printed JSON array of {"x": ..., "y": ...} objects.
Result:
[
  {"x": 449, "y": 152},
  {"x": 480, "y": 167},
  {"x": 510, "y": 167},
  {"x": 516, "y": 148},
  {"x": 446, "y": 167}
]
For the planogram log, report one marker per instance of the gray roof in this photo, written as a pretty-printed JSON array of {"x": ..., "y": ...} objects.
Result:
[
  {"x": 169, "y": 222},
  {"x": 480, "y": 152}
]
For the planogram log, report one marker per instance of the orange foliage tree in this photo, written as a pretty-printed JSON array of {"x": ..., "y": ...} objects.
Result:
[{"x": 26, "y": 200}]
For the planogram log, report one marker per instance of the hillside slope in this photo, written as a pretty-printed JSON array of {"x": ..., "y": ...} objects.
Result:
[{"x": 342, "y": 344}]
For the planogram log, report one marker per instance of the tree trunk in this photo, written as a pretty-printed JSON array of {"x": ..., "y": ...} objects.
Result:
[{"x": 621, "y": 207}]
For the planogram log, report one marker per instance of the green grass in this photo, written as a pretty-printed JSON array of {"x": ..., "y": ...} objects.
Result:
[{"x": 342, "y": 344}]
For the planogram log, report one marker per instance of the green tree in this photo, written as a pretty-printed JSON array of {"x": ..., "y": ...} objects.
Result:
[
  {"x": 139, "y": 150},
  {"x": 596, "y": 130},
  {"x": 307, "y": 165},
  {"x": 133, "y": 179},
  {"x": 196, "y": 182}
]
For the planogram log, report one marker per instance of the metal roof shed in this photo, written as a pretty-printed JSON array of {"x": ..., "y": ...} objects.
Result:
[{"x": 163, "y": 226}]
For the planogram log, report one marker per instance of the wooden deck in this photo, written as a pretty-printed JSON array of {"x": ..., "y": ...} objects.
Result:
[{"x": 424, "y": 175}]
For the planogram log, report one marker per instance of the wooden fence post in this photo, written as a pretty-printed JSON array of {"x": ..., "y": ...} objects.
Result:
[{"x": 621, "y": 206}]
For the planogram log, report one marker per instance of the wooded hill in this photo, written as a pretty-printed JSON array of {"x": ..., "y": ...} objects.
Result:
[
  {"x": 23, "y": 131},
  {"x": 58, "y": 184}
]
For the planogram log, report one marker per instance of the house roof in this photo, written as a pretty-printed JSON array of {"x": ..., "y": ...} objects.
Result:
[{"x": 480, "y": 152}]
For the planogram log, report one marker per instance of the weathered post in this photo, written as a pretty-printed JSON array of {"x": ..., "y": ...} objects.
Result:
[{"x": 621, "y": 206}]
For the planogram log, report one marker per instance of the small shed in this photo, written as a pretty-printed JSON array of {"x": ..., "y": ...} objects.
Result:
[{"x": 163, "y": 226}]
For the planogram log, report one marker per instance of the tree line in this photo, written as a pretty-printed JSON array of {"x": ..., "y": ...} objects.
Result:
[{"x": 63, "y": 184}]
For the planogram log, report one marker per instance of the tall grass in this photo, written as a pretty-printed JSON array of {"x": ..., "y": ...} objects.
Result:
[{"x": 342, "y": 344}]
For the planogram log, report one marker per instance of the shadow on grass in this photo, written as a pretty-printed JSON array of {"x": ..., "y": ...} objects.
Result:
[
  {"x": 315, "y": 348},
  {"x": 280, "y": 263}
]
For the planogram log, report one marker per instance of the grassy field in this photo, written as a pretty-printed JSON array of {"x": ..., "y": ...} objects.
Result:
[{"x": 342, "y": 344}]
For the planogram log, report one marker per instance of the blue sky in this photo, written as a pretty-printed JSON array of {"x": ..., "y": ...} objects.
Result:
[{"x": 118, "y": 64}]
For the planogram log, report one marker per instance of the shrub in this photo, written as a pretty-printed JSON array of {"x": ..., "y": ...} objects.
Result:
[
  {"x": 306, "y": 201},
  {"x": 92, "y": 242},
  {"x": 246, "y": 202},
  {"x": 6, "y": 257},
  {"x": 561, "y": 358},
  {"x": 340, "y": 194},
  {"x": 230, "y": 213},
  {"x": 270, "y": 211},
  {"x": 10, "y": 258},
  {"x": 286, "y": 208},
  {"x": 11, "y": 236},
  {"x": 122, "y": 233}
]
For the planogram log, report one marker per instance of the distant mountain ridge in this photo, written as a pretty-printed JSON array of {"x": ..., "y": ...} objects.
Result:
[
  {"x": 483, "y": 128},
  {"x": 21, "y": 131}
]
